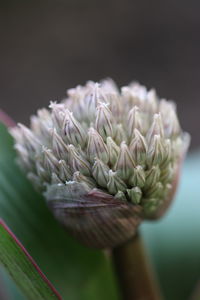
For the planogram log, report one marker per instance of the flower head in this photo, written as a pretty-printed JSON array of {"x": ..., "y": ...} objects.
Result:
[{"x": 104, "y": 159}]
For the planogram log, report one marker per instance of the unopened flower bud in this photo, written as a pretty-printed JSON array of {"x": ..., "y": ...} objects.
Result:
[
  {"x": 113, "y": 150},
  {"x": 156, "y": 151},
  {"x": 125, "y": 164},
  {"x": 156, "y": 128},
  {"x": 138, "y": 148},
  {"x": 138, "y": 178},
  {"x": 115, "y": 183},
  {"x": 64, "y": 171},
  {"x": 104, "y": 121},
  {"x": 77, "y": 162},
  {"x": 100, "y": 172},
  {"x": 135, "y": 195},
  {"x": 73, "y": 130},
  {"x": 134, "y": 121},
  {"x": 96, "y": 146}
]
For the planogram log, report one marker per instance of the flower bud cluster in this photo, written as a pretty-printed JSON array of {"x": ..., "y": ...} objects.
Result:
[{"x": 126, "y": 143}]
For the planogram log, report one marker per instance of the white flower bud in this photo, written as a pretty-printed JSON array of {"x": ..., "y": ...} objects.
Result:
[
  {"x": 73, "y": 130},
  {"x": 50, "y": 162},
  {"x": 77, "y": 162},
  {"x": 64, "y": 171},
  {"x": 138, "y": 148},
  {"x": 30, "y": 141},
  {"x": 152, "y": 101},
  {"x": 125, "y": 163},
  {"x": 42, "y": 123},
  {"x": 120, "y": 134},
  {"x": 57, "y": 114},
  {"x": 59, "y": 147},
  {"x": 100, "y": 172},
  {"x": 104, "y": 121},
  {"x": 96, "y": 147},
  {"x": 156, "y": 128},
  {"x": 134, "y": 121},
  {"x": 174, "y": 127}
]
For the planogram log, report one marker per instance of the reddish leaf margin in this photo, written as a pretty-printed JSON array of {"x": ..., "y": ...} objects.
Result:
[{"x": 15, "y": 240}]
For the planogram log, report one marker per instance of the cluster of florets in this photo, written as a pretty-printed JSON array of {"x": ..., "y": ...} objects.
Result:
[{"x": 125, "y": 143}]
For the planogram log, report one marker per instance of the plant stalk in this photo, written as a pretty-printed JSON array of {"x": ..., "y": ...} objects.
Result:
[{"x": 135, "y": 276}]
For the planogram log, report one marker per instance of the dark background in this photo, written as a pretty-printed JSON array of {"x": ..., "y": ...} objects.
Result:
[{"x": 49, "y": 46}]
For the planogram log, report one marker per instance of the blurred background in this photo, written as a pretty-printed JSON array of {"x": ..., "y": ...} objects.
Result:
[{"x": 49, "y": 46}]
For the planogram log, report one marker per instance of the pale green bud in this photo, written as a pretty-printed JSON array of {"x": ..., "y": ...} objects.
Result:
[
  {"x": 100, "y": 172},
  {"x": 156, "y": 151},
  {"x": 78, "y": 177},
  {"x": 115, "y": 183},
  {"x": 55, "y": 179},
  {"x": 104, "y": 121},
  {"x": 59, "y": 147},
  {"x": 138, "y": 178},
  {"x": 134, "y": 121},
  {"x": 96, "y": 147},
  {"x": 166, "y": 174},
  {"x": 30, "y": 141},
  {"x": 57, "y": 115},
  {"x": 155, "y": 129},
  {"x": 120, "y": 196},
  {"x": 77, "y": 162},
  {"x": 120, "y": 134},
  {"x": 138, "y": 148},
  {"x": 155, "y": 190},
  {"x": 73, "y": 130},
  {"x": 135, "y": 195},
  {"x": 152, "y": 176},
  {"x": 113, "y": 150},
  {"x": 125, "y": 163},
  {"x": 64, "y": 171},
  {"x": 42, "y": 123},
  {"x": 50, "y": 162}
]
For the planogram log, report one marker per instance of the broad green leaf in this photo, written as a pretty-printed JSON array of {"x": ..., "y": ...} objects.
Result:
[
  {"x": 76, "y": 271},
  {"x": 22, "y": 268}
]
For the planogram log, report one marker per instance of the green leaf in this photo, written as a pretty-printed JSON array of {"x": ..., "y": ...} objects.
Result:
[
  {"x": 76, "y": 271},
  {"x": 22, "y": 268}
]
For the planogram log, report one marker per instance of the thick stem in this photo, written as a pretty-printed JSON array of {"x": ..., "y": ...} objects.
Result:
[{"x": 134, "y": 272}]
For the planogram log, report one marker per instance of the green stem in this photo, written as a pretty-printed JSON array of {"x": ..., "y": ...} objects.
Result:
[{"x": 136, "y": 279}]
